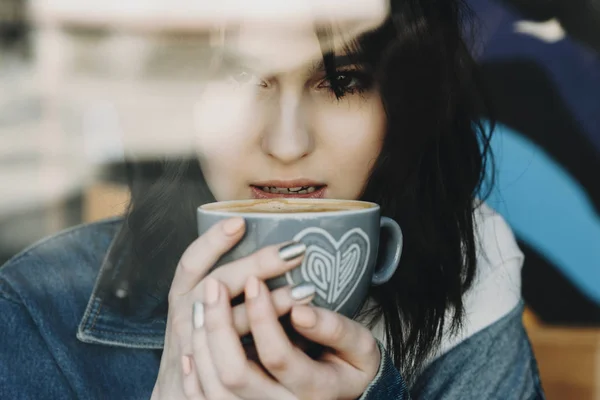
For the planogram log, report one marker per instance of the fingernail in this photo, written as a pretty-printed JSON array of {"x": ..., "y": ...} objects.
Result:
[
  {"x": 303, "y": 291},
  {"x": 198, "y": 315},
  {"x": 233, "y": 225},
  {"x": 304, "y": 317},
  {"x": 252, "y": 288},
  {"x": 292, "y": 250},
  {"x": 212, "y": 290},
  {"x": 186, "y": 365}
]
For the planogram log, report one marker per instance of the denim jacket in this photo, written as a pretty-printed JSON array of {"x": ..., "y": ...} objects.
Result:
[{"x": 59, "y": 341}]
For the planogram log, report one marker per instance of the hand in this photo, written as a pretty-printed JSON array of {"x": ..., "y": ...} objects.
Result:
[
  {"x": 224, "y": 372},
  {"x": 188, "y": 287}
]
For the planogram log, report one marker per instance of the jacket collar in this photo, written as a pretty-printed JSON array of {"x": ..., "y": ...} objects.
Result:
[{"x": 108, "y": 326}]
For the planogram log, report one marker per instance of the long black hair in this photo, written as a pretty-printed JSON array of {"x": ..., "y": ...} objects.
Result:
[{"x": 427, "y": 178}]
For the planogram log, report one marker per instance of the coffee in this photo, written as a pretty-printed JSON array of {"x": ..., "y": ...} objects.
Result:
[{"x": 287, "y": 206}]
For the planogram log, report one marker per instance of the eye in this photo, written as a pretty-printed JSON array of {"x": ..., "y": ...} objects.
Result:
[
  {"x": 342, "y": 80},
  {"x": 247, "y": 78},
  {"x": 346, "y": 82}
]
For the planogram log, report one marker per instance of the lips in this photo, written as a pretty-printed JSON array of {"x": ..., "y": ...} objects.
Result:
[{"x": 295, "y": 189}]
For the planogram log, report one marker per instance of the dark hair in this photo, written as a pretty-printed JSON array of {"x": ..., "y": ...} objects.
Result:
[{"x": 427, "y": 178}]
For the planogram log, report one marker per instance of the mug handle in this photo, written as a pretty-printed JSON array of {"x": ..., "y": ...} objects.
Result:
[{"x": 392, "y": 252}]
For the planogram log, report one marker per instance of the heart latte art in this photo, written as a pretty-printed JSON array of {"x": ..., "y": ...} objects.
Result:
[{"x": 334, "y": 267}]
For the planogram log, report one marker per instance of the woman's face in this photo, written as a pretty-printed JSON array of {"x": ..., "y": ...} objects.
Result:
[{"x": 272, "y": 122}]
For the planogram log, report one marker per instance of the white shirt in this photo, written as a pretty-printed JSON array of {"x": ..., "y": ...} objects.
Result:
[{"x": 496, "y": 289}]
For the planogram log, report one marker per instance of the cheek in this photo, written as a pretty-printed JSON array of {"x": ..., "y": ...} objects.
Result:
[
  {"x": 351, "y": 135},
  {"x": 221, "y": 115},
  {"x": 353, "y": 131},
  {"x": 222, "y": 135}
]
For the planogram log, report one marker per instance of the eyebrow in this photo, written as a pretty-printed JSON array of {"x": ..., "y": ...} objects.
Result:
[
  {"x": 339, "y": 61},
  {"x": 230, "y": 57}
]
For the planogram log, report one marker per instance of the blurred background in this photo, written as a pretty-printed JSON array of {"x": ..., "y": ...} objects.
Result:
[{"x": 75, "y": 75}]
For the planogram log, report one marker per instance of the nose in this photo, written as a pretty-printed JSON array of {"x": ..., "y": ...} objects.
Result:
[{"x": 287, "y": 137}]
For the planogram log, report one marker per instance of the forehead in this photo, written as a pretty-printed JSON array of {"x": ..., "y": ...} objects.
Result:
[
  {"x": 272, "y": 46},
  {"x": 278, "y": 47}
]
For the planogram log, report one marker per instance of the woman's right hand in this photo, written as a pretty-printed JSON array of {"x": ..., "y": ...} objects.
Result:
[{"x": 187, "y": 288}]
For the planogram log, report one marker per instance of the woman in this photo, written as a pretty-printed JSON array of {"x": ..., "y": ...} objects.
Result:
[{"x": 390, "y": 118}]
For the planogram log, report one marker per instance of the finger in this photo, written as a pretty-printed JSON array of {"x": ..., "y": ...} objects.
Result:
[
  {"x": 206, "y": 372},
  {"x": 204, "y": 252},
  {"x": 351, "y": 341},
  {"x": 283, "y": 300},
  {"x": 191, "y": 384},
  {"x": 288, "y": 364},
  {"x": 229, "y": 358},
  {"x": 268, "y": 262}
]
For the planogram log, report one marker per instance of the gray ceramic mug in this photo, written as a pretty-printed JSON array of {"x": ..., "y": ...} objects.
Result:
[{"x": 344, "y": 255}]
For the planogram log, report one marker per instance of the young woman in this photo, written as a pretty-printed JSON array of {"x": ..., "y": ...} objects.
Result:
[{"x": 105, "y": 310}]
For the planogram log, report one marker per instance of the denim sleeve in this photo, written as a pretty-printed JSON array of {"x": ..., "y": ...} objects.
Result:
[
  {"x": 495, "y": 363},
  {"x": 27, "y": 367},
  {"x": 388, "y": 383}
]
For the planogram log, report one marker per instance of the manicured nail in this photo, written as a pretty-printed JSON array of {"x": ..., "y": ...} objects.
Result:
[
  {"x": 304, "y": 317},
  {"x": 198, "y": 315},
  {"x": 186, "y": 365},
  {"x": 233, "y": 225},
  {"x": 212, "y": 290},
  {"x": 292, "y": 250},
  {"x": 303, "y": 291},
  {"x": 252, "y": 287}
]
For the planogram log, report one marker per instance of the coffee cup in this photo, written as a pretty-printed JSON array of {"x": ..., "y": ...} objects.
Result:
[{"x": 345, "y": 250}]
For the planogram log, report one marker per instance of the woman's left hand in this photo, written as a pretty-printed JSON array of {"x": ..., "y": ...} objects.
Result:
[{"x": 224, "y": 372}]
